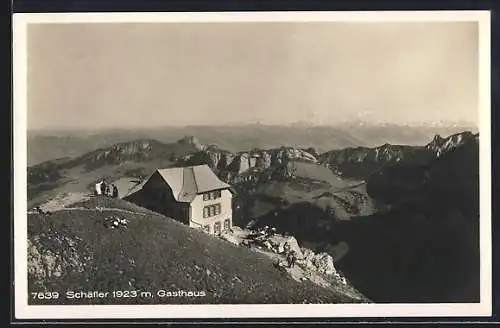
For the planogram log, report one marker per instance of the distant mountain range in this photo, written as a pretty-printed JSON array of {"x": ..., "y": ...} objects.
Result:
[
  {"x": 400, "y": 219},
  {"x": 48, "y": 145}
]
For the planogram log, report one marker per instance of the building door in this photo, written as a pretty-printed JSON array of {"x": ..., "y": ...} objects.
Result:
[
  {"x": 217, "y": 227},
  {"x": 227, "y": 224}
]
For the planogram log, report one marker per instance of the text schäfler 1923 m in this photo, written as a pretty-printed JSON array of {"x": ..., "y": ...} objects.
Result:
[
  {"x": 114, "y": 294},
  {"x": 91, "y": 294}
]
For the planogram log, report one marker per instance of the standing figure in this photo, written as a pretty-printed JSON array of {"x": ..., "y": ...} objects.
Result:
[
  {"x": 115, "y": 191},
  {"x": 291, "y": 259},
  {"x": 98, "y": 188},
  {"x": 103, "y": 187}
]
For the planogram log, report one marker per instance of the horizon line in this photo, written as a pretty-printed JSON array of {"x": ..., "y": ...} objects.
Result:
[{"x": 437, "y": 123}]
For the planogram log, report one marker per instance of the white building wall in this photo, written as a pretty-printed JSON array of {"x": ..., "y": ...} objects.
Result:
[{"x": 196, "y": 213}]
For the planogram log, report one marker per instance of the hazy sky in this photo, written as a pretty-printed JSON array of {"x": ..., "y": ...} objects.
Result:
[{"x": 118, "y": 75}]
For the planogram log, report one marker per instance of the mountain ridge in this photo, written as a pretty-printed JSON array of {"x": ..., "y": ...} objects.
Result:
[{"x": 43, "y": 146}]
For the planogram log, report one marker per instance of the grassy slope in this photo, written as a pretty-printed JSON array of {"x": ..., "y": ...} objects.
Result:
[
  {"x": 343, "y": 200},
  {"x": 316, "y": 195},
  {"x": 321, "y": 173},
  {"x": 155, "y": 253}
]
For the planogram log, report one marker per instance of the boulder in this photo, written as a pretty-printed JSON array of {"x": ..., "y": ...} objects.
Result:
[
  {"x": 279, "y": 243},
  {"x": 324, "y": 263}
]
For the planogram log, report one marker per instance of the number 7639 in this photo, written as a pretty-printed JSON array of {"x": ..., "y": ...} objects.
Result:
[{"x": 45, "y": 295}]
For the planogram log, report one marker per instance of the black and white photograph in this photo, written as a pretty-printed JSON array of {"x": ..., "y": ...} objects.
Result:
[{"x": 252, "y": 165}]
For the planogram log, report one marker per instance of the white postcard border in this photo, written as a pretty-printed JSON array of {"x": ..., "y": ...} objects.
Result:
[{"x": 25, "y": 311}]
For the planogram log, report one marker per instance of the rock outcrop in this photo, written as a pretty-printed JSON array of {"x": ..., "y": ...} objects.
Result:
[
  {"x": 191, "y": 141},
  {"x": 53, "y": 256},
  {"x": 439, "y": 146},
  {"x": 229, "y": 165}
]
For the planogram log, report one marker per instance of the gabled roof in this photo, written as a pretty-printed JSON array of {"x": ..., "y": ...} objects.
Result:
[{"x": 187, "y": 182}]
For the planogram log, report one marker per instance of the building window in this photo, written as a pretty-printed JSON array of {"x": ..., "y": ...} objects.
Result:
[
  {"x": 227, "y": 224},
  {"x": 211, "y": 210},
  {"x": 212, "y": 195}
]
